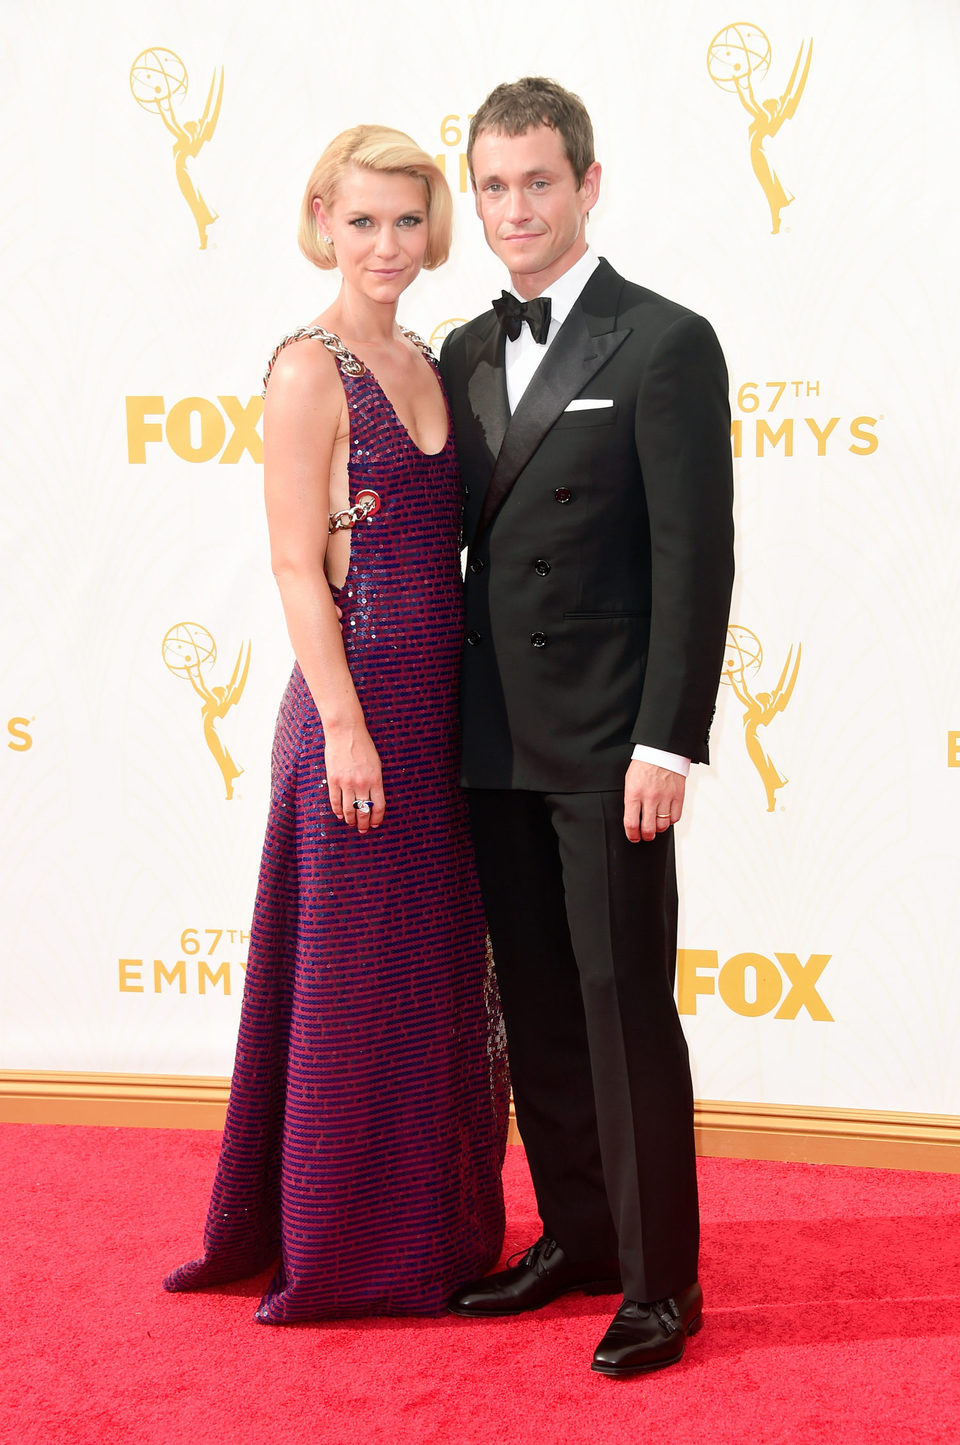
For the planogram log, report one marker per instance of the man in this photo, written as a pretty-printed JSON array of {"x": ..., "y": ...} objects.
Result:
[{"x": 594, "y": 446}]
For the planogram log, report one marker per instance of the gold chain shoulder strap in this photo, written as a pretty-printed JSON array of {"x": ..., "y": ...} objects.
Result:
[
  {"x": 346, "y": 360},
  {"x": 418, "y": 341},
  {"x": 368, "y": 502}
]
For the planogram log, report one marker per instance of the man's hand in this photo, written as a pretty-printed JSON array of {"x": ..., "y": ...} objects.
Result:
[{"x": 652, "y": 801}]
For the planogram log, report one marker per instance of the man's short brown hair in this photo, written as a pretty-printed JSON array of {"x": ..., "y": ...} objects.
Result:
[{"x": 522, "y": 105}]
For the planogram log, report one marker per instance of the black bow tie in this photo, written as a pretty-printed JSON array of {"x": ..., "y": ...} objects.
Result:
[{"x": 512, "y": 313}]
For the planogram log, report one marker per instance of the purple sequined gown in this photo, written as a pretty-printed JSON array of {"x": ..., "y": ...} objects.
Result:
[{"x": 366, "y": 1123}]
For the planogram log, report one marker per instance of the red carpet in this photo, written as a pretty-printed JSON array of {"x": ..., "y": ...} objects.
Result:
[{"x": 831, "y": 1315}]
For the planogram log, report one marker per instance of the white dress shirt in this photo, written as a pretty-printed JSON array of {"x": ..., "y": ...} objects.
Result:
[{"x": 522, "y": 357}]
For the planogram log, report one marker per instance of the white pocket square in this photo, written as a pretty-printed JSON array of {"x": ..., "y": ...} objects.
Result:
[{"x": 588, "y": 403}]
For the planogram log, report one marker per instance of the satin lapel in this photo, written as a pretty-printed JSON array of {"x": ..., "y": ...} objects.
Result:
[
  {"x": 487, "y": 385},
  {"x": 574, "y": 357}
]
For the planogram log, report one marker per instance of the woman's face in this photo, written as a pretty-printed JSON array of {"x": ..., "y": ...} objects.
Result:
[{"x": 378, "y": 222}]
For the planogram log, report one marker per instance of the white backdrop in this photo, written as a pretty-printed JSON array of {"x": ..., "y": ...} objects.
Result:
[{"x": 820, "y": 935}]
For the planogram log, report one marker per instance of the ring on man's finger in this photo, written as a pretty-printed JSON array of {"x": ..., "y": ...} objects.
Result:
[
  {"x": 663, "y": 815},
  {"x": 363, "y": 805}
]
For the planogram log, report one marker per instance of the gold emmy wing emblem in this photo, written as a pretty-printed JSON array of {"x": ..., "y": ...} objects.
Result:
[
  {"x": 157, "y": 79},
  {"x": 738, "y": 59},
  {"x": 189, "y": 650},
  {"x": 743, "y": 656},
  {"x": 438, "y": 333}
]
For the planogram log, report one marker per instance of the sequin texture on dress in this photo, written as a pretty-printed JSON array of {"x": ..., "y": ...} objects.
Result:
[{"x": 366, "y": 1123}]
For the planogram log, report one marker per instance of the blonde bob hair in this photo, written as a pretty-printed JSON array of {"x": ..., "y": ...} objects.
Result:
[{"x": 375, "y": 148}]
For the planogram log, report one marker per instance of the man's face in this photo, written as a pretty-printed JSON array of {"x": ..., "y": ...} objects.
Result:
[{"x": 533, "y": 211}]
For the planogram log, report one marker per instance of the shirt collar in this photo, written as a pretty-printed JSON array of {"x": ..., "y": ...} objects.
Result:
[{"x": 565, "y": 291}]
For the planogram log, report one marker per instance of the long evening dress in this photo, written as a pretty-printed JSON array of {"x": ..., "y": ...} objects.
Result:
[{"x": 366, "y": 1123}]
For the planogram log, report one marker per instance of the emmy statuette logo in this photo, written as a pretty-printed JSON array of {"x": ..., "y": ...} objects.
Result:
[
  {"x": 188, "y": 651},
  {"x": 158, "y": 78},
  {"x": 738, "y": 59},
  {"x": 742, "y": 660},
  {"x": 441, "y": 331}
]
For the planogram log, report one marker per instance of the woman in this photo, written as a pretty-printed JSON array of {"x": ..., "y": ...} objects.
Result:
[{"x": 365, "y": 1128}]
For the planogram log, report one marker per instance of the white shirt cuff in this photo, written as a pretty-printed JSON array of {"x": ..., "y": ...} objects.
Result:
[{"x": 675, "y": 762}]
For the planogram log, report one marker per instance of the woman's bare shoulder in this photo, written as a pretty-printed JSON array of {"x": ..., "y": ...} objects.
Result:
[{"x": 302, "y": 365}]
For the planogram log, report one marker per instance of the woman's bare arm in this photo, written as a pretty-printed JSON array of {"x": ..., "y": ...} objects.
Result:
[{"x": 304, "y": 422}]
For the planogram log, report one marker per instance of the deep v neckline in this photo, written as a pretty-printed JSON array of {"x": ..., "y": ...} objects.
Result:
[
  {"x": 423, "y": 349},
  {"x": 402, "y": 424}
]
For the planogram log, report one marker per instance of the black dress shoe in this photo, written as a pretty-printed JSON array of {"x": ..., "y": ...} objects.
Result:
[
  {"x": 543, "y": 1274},
  {"x": 649, "y": 1336}
]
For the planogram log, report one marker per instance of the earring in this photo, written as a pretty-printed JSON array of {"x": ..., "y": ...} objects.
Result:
[{"x": 327, "y": 239}]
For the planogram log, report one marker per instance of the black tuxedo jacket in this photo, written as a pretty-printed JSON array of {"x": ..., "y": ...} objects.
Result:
[{"x": 600, "y": 540}]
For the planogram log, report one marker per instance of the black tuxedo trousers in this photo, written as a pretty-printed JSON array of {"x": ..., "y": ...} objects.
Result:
[{"x": 583, "y": 925}]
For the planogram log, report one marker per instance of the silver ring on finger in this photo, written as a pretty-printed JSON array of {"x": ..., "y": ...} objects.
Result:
[{"x": 363, "y": 805}]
